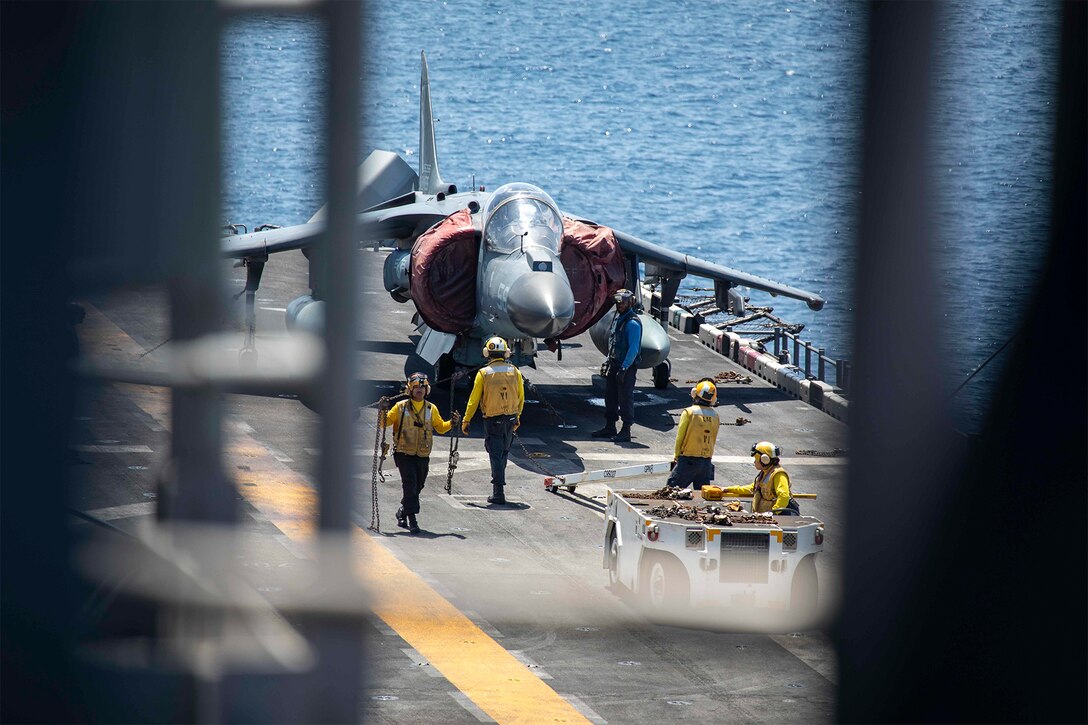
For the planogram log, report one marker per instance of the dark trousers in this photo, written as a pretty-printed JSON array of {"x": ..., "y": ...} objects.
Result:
[
  {"x": 692, "y": 470},
  {"x": 413, "y": 474},
  {"x": 498, "y": 437},
  {"x": 619, "y": 396}
]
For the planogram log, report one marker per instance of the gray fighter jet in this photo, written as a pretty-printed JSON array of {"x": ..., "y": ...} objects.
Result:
[{"x": 506, "y": 262}]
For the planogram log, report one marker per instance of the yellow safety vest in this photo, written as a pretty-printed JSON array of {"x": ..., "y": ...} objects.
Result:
[
  {"x": 415, "y": 432},
  {"x": 701, "y": 433},
  {"x": 763, "y": 493},
  {"x": 500, "y": 394}
]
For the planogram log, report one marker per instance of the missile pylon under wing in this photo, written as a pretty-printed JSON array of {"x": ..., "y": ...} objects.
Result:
[{"x": 506, "y": 262}]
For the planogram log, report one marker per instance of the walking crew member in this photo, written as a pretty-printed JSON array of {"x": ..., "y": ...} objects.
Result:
[
  {"x": 414, "y": 422},
  {"x": 499, "y": 391},
  {"x": 692, "y": 462},
  {"x": 771, "y": 488},
  {"x": 624, "y": 346}
]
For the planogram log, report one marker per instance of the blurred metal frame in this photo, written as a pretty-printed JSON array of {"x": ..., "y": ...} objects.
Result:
[
  {"x": 82, "y": 159},
  {"x": 958, "y": 602}
]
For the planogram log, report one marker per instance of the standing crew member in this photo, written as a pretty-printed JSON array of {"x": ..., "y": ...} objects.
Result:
[
  {"x": 692, "y": 462},
  {"x": 499, "y": 391},
  {"x": 771, "y": 488},
  {"x": 414, "y": 422},
  {"x": 624, "y": 347}
]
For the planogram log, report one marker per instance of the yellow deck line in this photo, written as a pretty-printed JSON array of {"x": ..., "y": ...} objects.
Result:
[{"x": 466, "y": 656}]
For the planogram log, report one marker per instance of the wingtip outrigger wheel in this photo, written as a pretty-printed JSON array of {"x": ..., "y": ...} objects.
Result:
[
  {"x": 247, "y": 356},
  {"x": 662, "y": 373}
]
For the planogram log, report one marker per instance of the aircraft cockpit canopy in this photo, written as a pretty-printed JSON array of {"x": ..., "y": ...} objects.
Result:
[{"x": 520, "y": 215}]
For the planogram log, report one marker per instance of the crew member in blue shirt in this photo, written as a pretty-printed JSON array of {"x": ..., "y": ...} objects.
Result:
[{"x": 624, "y": 346}]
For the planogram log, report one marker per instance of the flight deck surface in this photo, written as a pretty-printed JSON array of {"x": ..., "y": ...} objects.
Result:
[{"x": 490, "y": 612}]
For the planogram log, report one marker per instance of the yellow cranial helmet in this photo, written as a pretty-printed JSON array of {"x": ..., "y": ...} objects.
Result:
[
  {"x": 415, "y": 380},
  {"x": 766, "y": 451},
  {"x": 496, "y": 347},
  {"x": 706, "y": 391}
]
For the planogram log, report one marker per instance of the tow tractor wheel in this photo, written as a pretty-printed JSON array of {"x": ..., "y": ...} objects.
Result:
[
  {"x": 666, "y": 584},
  {"x": 613, "y": 560},
  {"x": 805, "y": 588}
]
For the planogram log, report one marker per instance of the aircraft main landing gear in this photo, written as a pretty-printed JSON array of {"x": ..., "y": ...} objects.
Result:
[{"x": 662, "y": 372}]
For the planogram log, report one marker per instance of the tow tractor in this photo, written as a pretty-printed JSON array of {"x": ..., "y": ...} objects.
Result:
[{"x": 700, "y": 553}]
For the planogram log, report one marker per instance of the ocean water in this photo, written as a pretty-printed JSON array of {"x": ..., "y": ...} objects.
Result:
[{"x": 730, "y": 131}]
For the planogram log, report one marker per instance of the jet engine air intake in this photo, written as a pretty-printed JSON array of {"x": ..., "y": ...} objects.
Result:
[{"x": 395, "y": 274}]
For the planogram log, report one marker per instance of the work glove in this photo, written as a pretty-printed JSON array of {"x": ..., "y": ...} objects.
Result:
[
  {"x": 464, "y": 427},
  {"x": 456, "y": 417},
  {"x": 672, "y": 465}
]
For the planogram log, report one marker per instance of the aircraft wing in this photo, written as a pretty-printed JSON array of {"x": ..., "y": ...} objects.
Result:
[
  {"x": 261, "y": 244},
  {"x": 386, "y": 222},
  {"x": 665, "y": 259},
  {"x": 392, "y": 209}
]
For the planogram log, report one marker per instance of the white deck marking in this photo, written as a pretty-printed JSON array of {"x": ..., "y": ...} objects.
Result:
[
  {"x": 464, "y": 701},
  {"x": 798, "y": 647},
  {"x": 279, "y": 455},
  {"x": 294, "y": 548},
  {"x": 453, "y": 501},
  {"x": 420, "y": 661},
  {"x": 381, "y": 626},
  {"x": 483, "y": 624},
  {"x": 114, "y": 449},
  {"x": 530, "y": 664},
  {"x": 125, "y": 511},
  {"x": 563, "y": 373},
  {"x": 586, "y": 710}
]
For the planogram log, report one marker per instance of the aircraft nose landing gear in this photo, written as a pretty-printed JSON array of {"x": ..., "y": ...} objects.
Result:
[{"x": 247, "y": 356}]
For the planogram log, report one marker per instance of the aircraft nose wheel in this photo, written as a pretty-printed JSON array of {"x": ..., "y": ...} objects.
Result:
[{"x": 662, "y": 373}]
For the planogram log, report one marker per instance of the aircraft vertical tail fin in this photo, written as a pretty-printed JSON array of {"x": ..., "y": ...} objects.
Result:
[{"x": 430, "y": 179}]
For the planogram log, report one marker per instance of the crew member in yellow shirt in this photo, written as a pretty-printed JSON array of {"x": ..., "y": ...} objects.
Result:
[
  {"x": 770, "y": 489},
  {"x": 500, "y": 394},
  {"x": 692, "y": 463},
  {"x": 415, "y": 421}
]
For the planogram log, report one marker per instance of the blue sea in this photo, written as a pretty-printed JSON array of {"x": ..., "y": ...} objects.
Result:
[{"x": 726, "y": 130}]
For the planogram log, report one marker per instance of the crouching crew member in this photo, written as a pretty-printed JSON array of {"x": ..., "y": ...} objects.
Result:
[
  {"x": 692, "y": 463},
  {"x": 771, "y": 488},
  {"x": 499, "y": 392},
  {"x": 414, "y": 422}
]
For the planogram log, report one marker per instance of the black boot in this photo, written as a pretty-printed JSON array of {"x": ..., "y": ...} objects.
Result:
[
  {"x": 608, "y": 431},
  {"x": 413, "y": 527},
  {"x": 400, "y": 518},
  {"x": 624, "y": 436},
  {"x": 496, "y": 494}
]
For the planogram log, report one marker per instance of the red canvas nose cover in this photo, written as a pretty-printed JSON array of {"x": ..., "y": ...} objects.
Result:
[
  {"x": 594, "y": 264},
  {"x": 444, "y": 265},
  {"x": 443, "y": 274}
]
